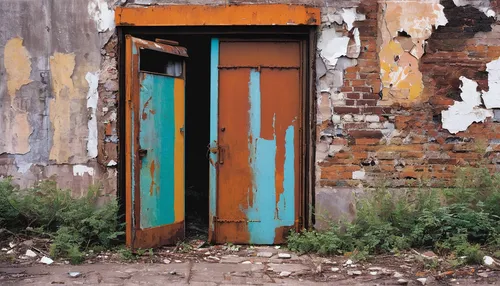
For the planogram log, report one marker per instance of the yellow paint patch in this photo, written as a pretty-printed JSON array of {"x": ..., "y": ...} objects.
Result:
[
  {"x": 399, "y": 73},
  {"x": 16, "y": 128},
  {"x": 61, "y": 68},
  {"x": 399, "y": 56},
  {"x": 17, "y": 65},
  {"x": 179, "y": 150}
]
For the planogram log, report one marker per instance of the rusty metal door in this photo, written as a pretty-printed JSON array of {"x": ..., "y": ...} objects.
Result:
[
  {"x": 255, "y": 140},
  {"x": 154, "y": 147}
]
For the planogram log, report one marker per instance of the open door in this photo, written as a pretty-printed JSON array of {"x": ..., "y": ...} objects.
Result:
[{"x": 154, "y": 147}]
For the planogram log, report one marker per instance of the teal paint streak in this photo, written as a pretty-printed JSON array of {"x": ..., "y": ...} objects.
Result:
[
  {"x": 134, "y": 49},
  {"x": 157, "y": 136},
  {"x": 214, "y": 124},
  {"x": 264, "y": 215},
  {"x": 255, "y": 102}
]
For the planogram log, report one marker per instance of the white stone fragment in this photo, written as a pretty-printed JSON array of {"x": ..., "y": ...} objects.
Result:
[
  {"x": 46, "y": 260},
  {"x": 285, "y": 273},
  {"x": 398, "y": 275},
  {"x": 422, "y": 281},
  {"x": 30, "y": 253},
  {"x": 265, "y": 254},
  {"x": 358, "y": 175},
  {"x": 284, "y": 256}
]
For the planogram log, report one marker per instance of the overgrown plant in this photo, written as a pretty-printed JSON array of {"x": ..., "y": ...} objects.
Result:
[
  {"x": 74, "y": 224},
  {"x": 460, "y": 221}
]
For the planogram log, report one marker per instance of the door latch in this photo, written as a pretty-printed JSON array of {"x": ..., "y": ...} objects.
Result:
[{"x": 142, "y": 152}]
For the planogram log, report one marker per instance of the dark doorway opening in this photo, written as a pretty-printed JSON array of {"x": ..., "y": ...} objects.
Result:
[{"x": 197, "y": 41}]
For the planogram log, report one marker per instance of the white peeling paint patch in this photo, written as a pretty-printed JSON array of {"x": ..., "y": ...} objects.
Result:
[
  {"x": 482, "y": 5},
  {"x": 349, "y": 16},
  {"x": 332, "y": 46},
  {"x": 112, "y": 163},
  {"x": 358, "y": 175},
  {"x": 23, "y": 167},
  {"x": 441, "y": 17},
  {"x": 463, "y": 113},
  {"x": 92, "y": 97},
  {"x": 80, "y": 170},
  {"x": 112, "y": 117},
  {"x": 491, "y": 98},
  {"x": 102, "y": 15}
]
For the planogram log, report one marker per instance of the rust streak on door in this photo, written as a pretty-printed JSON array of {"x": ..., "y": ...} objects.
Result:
[
  {"x": 234, "y": 172},
  {"x": 259, "y": 136}
]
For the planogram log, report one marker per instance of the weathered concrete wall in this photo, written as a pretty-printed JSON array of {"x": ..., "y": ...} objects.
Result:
[
  {"x": 52, "y": 115},
  {"x": 407, "y": 90}
]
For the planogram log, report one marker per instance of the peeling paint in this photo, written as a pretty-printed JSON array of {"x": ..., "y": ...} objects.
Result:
[
  {"x": 491, "y": 98},
  {"x": 349, "y": 16},
  {"x": 463, "y": 113},
  {"x": 64, "y": 110},
  {"x": 332, "y": 46},
  {"x": 102, "y": 14},
  {"x": 399, "y": 60},
  {"x": 482, "y": 5},
  {"x": 24, "y": 167},
  {"x": 92, "y": 97},
  {"x": 80, "y": 170},
  {"x": 16, "y": 128},
  {"x": 17, "y": 65},
  {"x": 62, "y": 67}
]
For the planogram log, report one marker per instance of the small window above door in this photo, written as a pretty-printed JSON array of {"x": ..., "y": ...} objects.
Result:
[{"x": 161, "y": 63}]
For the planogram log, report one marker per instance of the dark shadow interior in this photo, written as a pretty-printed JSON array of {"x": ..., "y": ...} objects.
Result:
[{"x": 197, "y": 129}]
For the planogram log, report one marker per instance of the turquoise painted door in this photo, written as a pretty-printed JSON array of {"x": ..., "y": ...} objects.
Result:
[{"x": 155, "y": 143}]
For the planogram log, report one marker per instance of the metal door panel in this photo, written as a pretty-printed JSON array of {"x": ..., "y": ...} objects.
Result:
[
  {"x": 271, "y": 53},
  {"x": 154, "y": 150},
  {"x": 258, "y": 143}
]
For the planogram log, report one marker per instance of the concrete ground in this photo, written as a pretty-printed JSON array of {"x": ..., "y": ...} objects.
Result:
[{"x": 266, "y": 267}]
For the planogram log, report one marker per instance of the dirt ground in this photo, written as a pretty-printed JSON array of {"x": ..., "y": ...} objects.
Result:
[{"x": 196, "y": 263}]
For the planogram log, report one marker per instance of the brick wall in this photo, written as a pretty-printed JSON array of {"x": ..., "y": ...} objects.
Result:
[{"x": 401, "y": 145}]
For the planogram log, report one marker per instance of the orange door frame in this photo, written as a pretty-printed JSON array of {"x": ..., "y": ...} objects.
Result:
[{"x": 242, "y": 15}]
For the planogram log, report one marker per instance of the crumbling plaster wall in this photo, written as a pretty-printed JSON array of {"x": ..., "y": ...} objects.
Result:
[
  {"x": 54, "y": 87},
  {"x": 390, "y": 74},
  {"x": 421, "y": 101}
]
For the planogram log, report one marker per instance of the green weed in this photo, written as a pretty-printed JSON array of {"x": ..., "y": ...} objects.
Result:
[
  {"x": 461, "y": 221},
  {"x": 74, "y": 224}
]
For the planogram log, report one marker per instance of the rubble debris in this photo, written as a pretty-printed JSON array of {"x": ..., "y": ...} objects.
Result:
[{"x": 46, "y": 260}]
